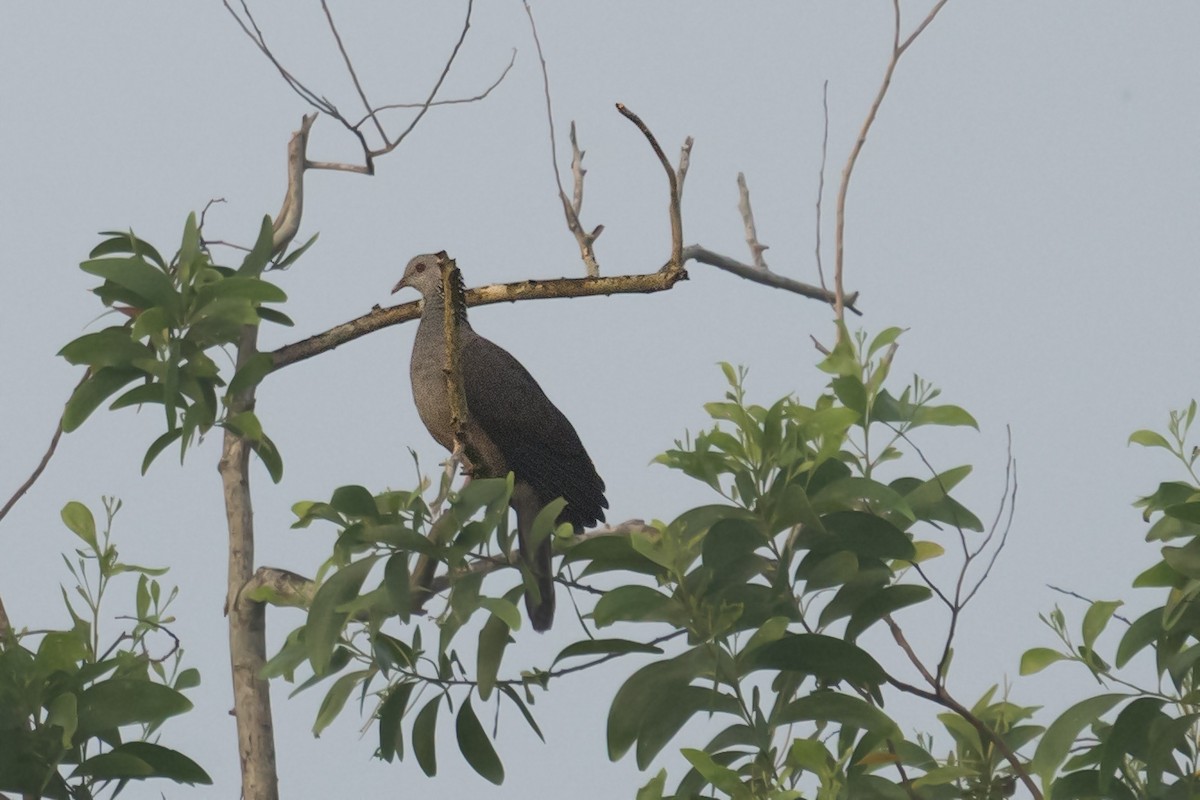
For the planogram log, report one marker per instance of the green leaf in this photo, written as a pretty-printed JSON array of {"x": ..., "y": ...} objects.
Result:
[
  {"x": 592, "y": 647},
  {"x": 126, "y": 242},
  {"x": 151, "y": 285},
  {"x": 158, "y": 445},
  {"x": 424, "y": 738},
  {"x": 250, "y": 290},
  {"x": 260, "y": 255},
  {"x": 722, "y": 778},
  {"x": 828, "y": 706},
  {"x": 1184, "y": 560},
  {"x": 511, "y": 693},
  {"x": 396, "y": 582},
  {"x": 1058, "y": 739},
  {"x": 391, "y": 717},
  {"x": 494, "y": 638},
  {"x": 78, "y": 518},
  {"x": 246, "y": 425},
  {"x": 826, "y": 657},
  {"x": 140, "y": 760},
  {"x": 633, "y": 604},
  {"x": 1096, "y": 619},
  {"x": 63, "y": 712},
  {"x": 335, "y": 699},
  {"x": 1188, "y": 512},
  {"x": 268, "y": 453},
  {"x": 295, "y": 254},
  {"x": 1037, "y": 659},
  {"x": 648, "y": 686},
  {"x": 325, "y": 619},
  {"x": 1148, "y": 439},
  {"x": 354, "y": 501},
  {"x": 274, "y": 315},
  {"x": 98, "y": 386},
  {"x": 829, "y": 570},
  {"x": 867, "y": 535},
  {"x": 475, "y": 745},
  {"x": 653, "y": 790},
  {"x": 853, "y": 492},
  {"x": 1145, "y": 630},
  {"x": 883, "y": 339},
  {"x": 886, "y": 601},
  {"x": 943, "y": 415},
  {"x": 850, "y": 390},
  {"x": 111, "y": 704},
  {"x": 111, "y": 347},
  {"x": 250, "y": 374}
]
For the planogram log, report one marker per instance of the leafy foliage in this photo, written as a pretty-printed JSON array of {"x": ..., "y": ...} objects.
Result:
[
  {"x": 771, "y": 589},
  {"x": 71, "y": 702},
  {"x": 179, "y": 313},
  {"x": 1139, "y": 742}
]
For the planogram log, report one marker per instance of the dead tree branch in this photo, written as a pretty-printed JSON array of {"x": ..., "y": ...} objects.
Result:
[
  {"x": 571, "y": 210},
  {"x": 676, "y": 262},
  {"x": 757, "y": 248},
  {"x": 898, "y": 49},
  {"x": 323, "y": 105}
]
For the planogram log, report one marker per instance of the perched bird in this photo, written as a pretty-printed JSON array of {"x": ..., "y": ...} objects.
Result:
[{"x": 512, "y": 427}]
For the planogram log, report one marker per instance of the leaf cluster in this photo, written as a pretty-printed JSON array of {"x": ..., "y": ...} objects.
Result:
[
  {"x": 75, "y": 719},
  {"x": 179, "y": 312}
]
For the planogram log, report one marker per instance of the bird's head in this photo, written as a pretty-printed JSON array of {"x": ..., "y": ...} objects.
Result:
[{"x": 423, "y": 274}]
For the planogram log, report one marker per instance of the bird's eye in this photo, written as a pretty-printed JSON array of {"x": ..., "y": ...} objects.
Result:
[{"x": 419, "y": 266}]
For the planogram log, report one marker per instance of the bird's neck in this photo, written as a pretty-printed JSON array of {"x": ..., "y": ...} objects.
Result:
[{"x": 435, "y": 308}]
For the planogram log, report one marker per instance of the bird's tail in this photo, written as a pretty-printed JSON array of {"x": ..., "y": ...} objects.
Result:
[{"x": 541, "y": 607}]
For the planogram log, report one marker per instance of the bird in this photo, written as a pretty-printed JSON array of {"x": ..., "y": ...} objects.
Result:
[{"x": 512, "y": 426}]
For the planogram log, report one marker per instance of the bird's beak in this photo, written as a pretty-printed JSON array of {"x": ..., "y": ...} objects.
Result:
[{"x": 403, "y": 282}]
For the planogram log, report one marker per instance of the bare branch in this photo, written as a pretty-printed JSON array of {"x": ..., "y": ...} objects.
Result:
[
  {"x": 379, "y": 318},
  {"x": 453, "y": 101},
  {"x": 570, "y": 210},
  {"x": 898, "y": 49},
  {"x": 756, "y": 248},
  {"x": 676, "y": 262},
  {"x": 821, "y": 179},
  {"x": 251, "y": 29},
  {"x": 685, "y": 161},
  {"x": 694, "y": 252},
  {"x": 941, "y": 697},
  {"x": 362, "y": 95},
  {"x": 1087, "y": 600},
  {"x": 287, "y": 221},
  {"x": 432, "y": 92}
]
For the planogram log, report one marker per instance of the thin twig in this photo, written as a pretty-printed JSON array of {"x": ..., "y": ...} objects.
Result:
[
  {"x": 898, "y": 50},
  {"x": 436, "y": 86},
  {"x": 1087, "y": 600},
  {"x": 362, "y": 95},
  {"x": 41, "y": 467},
  {"x": 451, "y": 102},
  {"x": 571, "y": 211},
  {"x": 821, "y": 178},
  {"x": 941, "y": 697}
]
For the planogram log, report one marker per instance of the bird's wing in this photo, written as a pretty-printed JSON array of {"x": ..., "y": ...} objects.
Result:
[{"x": 537, "y": 441}]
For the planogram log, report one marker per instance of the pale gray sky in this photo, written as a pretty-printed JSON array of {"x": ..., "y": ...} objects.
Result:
[{"x": 1027, "y": 205}]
